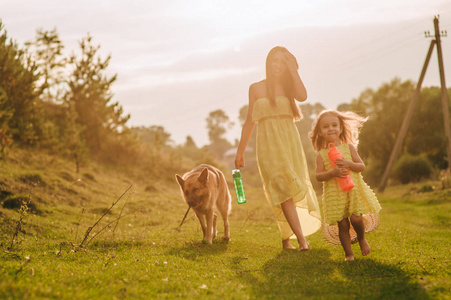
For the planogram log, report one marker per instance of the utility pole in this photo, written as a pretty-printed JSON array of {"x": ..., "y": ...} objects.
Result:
[
  {"x": 443, "y": 88},
  {"x": 405, "y": 124}
]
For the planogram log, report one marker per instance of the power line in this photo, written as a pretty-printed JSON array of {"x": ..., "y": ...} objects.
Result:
[
  {"x": 444, "y": 95},
  {"x": 382, "y": 50}
]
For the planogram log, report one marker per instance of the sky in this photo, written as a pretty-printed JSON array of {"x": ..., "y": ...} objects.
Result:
[{"x": 177, "y": 61}]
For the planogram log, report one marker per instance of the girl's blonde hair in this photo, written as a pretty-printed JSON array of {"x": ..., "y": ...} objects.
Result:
[
  {"x": 287, "y": 82},
  {"x": 350, "y": 125}
]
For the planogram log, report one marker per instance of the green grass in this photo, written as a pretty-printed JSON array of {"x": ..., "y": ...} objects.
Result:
[{"x": 148, "y": 259}]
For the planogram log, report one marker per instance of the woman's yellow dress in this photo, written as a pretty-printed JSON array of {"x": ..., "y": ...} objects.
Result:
[
  {"x": 338, "y": 204},
  {"x": 282, "y": 165}
]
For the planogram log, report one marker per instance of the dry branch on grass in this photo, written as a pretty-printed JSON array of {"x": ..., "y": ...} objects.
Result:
[
  {"x": 88, "y": 231},
  {"x": 108, "y": 225},
  {"x": 120, "y": 214}
]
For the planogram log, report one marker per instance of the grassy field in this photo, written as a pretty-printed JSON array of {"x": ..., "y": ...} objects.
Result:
[{"x": 143, "y": 256}]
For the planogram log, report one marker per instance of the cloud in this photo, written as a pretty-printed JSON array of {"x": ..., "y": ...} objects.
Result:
[
  {"x": 334, "y": 64},
  {"x": 178, "y": 60}
]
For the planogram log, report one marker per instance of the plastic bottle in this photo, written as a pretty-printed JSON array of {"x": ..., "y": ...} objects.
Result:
[
  {"x": 345, "y": 183},
  {"x": 239, "y": 187}
]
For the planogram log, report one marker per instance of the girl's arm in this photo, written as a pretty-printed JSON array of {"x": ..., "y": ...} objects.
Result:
[
  {"x": 323, "y": 175},
  {"x": 356, "y": 165},
  {"x": 300, "y": 93},
  {"x": 246, "y": 132}
]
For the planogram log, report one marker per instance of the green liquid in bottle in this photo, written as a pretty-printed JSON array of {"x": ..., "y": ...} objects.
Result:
[{"x": 239, "y": 187}]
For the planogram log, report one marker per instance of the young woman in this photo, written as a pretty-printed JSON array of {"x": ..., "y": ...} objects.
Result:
[{"x": 280, "y": 156}]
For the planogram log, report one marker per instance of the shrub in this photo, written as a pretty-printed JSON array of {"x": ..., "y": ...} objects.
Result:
[
  {"x": 16, "y": 201},
  {"x": 4, "y": 194},
  {"x": 412, "y": 168},
  {"x": 426, "y": 188}
]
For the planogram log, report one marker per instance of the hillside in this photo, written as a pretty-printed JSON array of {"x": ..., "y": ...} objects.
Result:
[{"x": 143, "y": 256}]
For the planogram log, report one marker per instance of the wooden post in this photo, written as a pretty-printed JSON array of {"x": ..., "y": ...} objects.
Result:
[
  {"x": 405, "y": 123},
  {"x": 444, "y": 92}
]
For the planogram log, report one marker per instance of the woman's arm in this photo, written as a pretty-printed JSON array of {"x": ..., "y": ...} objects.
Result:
[
  {"x": 300, "y": 93},
  {"x": 246, "y": 132}
]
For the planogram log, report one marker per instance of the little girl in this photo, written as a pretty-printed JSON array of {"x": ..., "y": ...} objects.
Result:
[{"x": 356, "y": 211}]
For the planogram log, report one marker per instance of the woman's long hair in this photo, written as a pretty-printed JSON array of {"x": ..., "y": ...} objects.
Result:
[
  {"x": 286, "y": 81},
  {"x": 350, "y": 125}
]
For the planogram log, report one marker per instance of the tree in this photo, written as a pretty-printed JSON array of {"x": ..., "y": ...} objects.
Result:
[
  {"x": 90, "y": 95},
  {"x": 344, "y": 107},
  {"x": 426, "y": 133},
  {"x": 194, "y": 155},
  {"x": 5, "y": 116},
  {"x": 386, "y": 108},
  {"x": 46, "y": 51},
  {"x": 154, "y": 135},
  {"x": 217, "y": 125},
  {"x": 56, "y": 122},
  {"x": 189, "y": 143},
  {"x": 17, "y": 81}
]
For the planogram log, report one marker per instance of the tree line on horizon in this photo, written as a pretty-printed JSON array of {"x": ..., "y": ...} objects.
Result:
[{"x": 64, "y": 105}]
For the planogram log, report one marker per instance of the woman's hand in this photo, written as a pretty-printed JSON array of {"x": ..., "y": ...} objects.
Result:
[
  {"x": 291, "y": 62},
  {"x": 299, "y": 91},
  {"x": 239, "y": 161}
]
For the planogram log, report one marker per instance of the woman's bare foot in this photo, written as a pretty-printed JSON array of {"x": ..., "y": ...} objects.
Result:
[
  {"x": 287, "y": 244},
  {"x": 364, "y": 247},
  {"x": 349, "y": 258}
]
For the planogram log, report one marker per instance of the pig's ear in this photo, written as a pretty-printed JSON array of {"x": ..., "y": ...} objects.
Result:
[
  {"x": 179, "y": 180},
  {"x": 203, "y": 177}
]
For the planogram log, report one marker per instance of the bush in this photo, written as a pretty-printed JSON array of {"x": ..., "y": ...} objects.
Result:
[
  {"x": 16, "y": 201},
  {"x": 412, "y": 168},
  {"x": 426, "y": 189},
  {"x": 4, "y": 195}
]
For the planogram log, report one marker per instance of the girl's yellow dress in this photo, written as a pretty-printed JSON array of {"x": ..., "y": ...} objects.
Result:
[
  {"x": 338, "y": 204},
  {"x": 282, "y": 165}
]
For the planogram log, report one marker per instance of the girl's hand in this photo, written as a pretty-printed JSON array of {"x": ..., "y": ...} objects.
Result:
[
  {"x": 340, "y": 171},
  {"x": 239, "y": 161},
  {"x": 343, "y": 163}
]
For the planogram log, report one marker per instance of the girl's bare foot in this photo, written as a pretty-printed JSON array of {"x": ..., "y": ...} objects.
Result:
[
  {"x": 303, "y": 245},
  {"x": 287, "y": 244},
  {"x": 349, "y": 258},
  {"x": 364, "y": 247}
]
